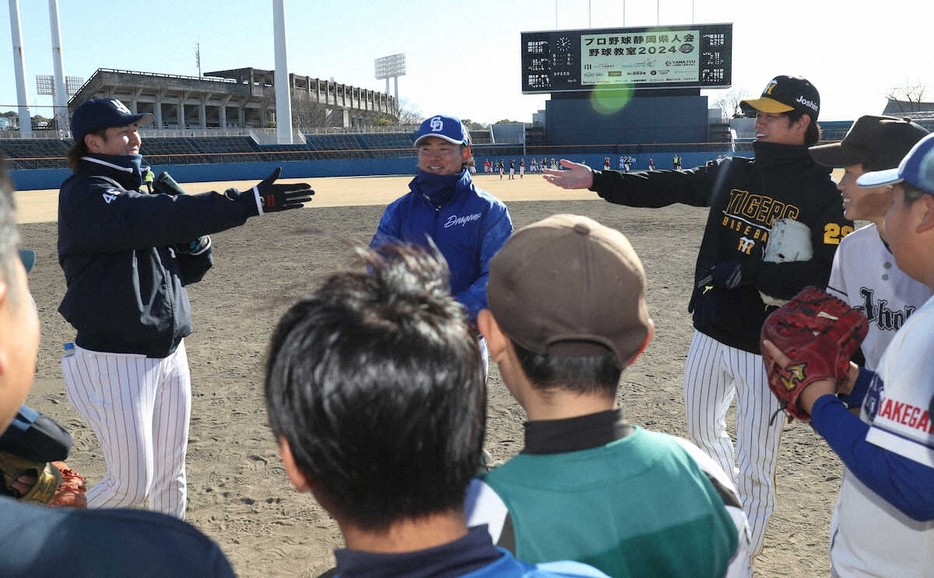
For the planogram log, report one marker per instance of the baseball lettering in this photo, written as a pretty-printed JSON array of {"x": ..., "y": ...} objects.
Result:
[
  {"x": 879, "y": 313},
  {"x": 808, "y": 103},
  {"x": 906, "y": 414},
  {"x": 759, "y": 208},
  {"x": 454, "y": 220}
]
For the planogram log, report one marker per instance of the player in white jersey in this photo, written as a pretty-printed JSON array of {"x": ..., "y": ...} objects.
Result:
[
  {"x": 864, "y": 273},
  {"x": 884, "y": 520}
]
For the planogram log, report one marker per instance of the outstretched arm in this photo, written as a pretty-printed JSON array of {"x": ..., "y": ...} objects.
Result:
[{"x": 576, "y": 176}]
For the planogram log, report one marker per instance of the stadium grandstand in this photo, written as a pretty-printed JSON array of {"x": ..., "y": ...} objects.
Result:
[
  {"x": 224, "y": 117},
  {"x": 227, "y": 116},
  {"x": 234, "y": 100}
]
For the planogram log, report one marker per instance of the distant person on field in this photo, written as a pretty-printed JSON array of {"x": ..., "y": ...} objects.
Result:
[
  {"x": 376, "y": 395},
  {"x": 567, "y": 315}
]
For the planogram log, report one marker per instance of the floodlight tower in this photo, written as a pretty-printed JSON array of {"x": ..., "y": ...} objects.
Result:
[
  {"x": 25, "y": 119},
  {"x": 393, "y": 67},
  {"x": 283, "y": 88},
  {"x": 60, "y": 96},
  {"x": 48, "y": 85}
]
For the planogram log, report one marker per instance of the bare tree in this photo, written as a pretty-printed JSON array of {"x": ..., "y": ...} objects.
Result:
[
  {"x": 409, "y": 113},
  {"x": 308, "y": 114},
  {"x": 729, "y": 103},
  {"x": 908, "y": 98}
]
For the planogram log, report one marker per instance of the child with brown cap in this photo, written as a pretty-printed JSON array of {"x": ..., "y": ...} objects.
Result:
[{"x": 566, "y": 315}]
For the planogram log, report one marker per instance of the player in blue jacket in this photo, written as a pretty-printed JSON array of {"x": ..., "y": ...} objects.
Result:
[{"x": 444, "y": 207}]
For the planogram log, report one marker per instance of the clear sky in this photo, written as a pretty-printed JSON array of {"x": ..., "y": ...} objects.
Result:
[{"x": 463, "y": 58}]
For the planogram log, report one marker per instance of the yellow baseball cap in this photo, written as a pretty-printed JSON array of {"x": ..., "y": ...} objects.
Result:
[{"x": 785, "y": 94}]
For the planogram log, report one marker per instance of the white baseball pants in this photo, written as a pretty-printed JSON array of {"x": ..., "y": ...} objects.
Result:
[
  {"x": 713, "y": 375},
  {"x": 139, "y": 409}
]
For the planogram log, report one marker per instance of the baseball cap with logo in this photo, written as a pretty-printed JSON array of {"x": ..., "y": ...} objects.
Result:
[
  {"x": 449, "y": 128},
  {"x": 787, "y": 93},
  {"x": 876, "y": 142},
  {"x": 568, "y": 286},
  {"x": 105, "y": 112},
  {"x": 917, "y": 168}
]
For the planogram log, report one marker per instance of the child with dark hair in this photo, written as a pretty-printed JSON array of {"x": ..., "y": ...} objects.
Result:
[{"x": 376, "y": 394}]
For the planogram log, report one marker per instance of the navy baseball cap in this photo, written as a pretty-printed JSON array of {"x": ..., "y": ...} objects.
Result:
[
  {"x": 449, "y": 128},
  {"x": 785, "y": 94},
  {"x": 917, "y": 168},
  {"x": 105, "y": 112}
]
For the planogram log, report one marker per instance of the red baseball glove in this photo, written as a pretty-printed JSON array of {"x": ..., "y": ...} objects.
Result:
[
  {"x": 71, "y": 492},
  {"x": 819, "y": 333}
]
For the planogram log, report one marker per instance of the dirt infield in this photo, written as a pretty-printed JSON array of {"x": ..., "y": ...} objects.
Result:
[
  {"x": 238, "y": 493},
  {"x": 42, "y": 205}
]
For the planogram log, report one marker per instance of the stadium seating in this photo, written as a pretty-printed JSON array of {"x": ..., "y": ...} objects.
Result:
[{"x": 35, "y": 153}]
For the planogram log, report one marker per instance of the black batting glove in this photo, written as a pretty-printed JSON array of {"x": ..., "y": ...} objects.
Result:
[{"x": 282, "y": 197}]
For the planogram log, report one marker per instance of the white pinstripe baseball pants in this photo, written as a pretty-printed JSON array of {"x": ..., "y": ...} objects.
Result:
[
  {"x": 713, "y": 375},
  {"x": 139, "y": 409}
]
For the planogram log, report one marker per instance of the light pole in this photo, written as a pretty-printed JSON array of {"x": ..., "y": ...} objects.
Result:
[
  {"x": 60, "y": 98},
  {"x": 25, "y": 119},
  {"x": 283, "y": 87}
]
